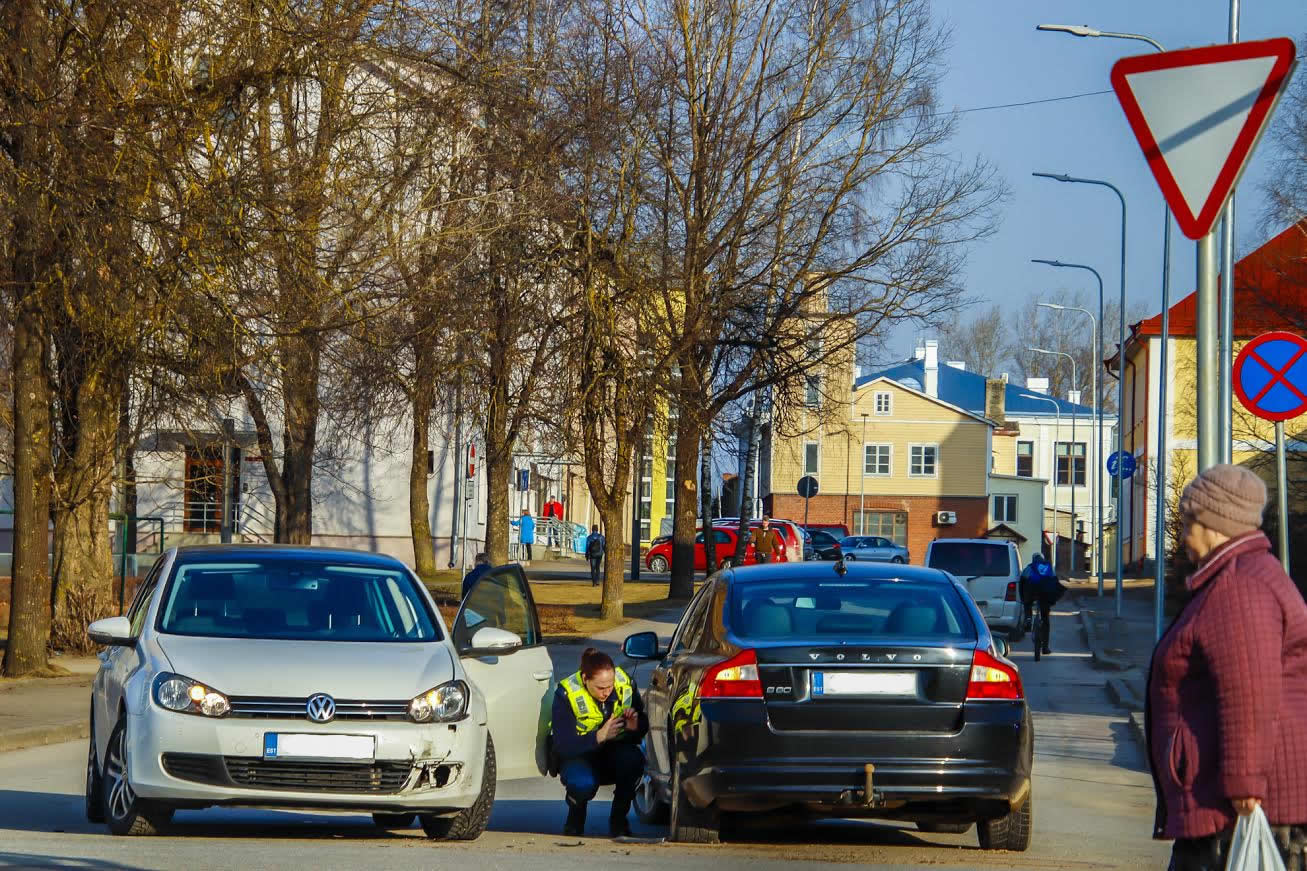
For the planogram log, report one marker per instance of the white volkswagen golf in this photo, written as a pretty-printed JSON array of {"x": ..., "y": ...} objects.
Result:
[{"x": 310, "y": 678}]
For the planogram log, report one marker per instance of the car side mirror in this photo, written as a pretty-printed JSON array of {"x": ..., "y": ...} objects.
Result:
[
  {"x": 491, "y": 640},
  {"x": 1000, "y": 644},
  {"x": 642, "y": 645},
  {"x": 113, "y": 631}
]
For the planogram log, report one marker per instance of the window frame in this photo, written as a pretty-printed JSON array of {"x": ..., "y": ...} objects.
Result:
[
  {"x": 888, "y": 465},
  {"x": 1029, "y": 457},
  {"x": 812, "y": 391},
  {"x": 888, "y": 396},
  {"x": 1010, "y": 503},
  {"x": 934, "y": 464},
  {"x": 816, "y": 473},
  {"x": 859, "y": 522},
  {"x": 1077, "y": 464}
]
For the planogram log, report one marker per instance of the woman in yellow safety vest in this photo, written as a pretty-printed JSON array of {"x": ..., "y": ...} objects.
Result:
[{"x": 598, "y": 722}]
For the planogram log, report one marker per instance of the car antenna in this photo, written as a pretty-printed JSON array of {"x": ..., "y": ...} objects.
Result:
[{"x": 840, "y": 568}]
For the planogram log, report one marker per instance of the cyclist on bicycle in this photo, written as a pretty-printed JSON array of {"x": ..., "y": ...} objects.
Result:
[{"x": 1040, "y": 586}]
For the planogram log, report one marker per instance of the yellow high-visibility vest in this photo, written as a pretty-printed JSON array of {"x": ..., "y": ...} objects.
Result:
[{"x": 589, "y": 715}]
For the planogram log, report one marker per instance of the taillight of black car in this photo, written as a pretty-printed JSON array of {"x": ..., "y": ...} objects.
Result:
[
  {"x": 993, "y": 679},
  {"x": 736, "y": 678}
]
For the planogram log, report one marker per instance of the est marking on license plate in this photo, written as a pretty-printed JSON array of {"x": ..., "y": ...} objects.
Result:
[
  {"x": 864, "y": 683},
  {"x": 350, "y": 748}
]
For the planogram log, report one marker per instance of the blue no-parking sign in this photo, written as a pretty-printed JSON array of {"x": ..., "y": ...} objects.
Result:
[{"x": 1270, "y": 376}]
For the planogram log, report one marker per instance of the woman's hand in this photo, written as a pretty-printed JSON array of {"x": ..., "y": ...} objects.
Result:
[
  {"x": 609, "y": 730},
  {"x": 1244, "y": 806}
]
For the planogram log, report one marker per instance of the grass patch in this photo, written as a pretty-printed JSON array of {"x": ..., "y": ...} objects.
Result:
[{"x": 570, "y": 611}]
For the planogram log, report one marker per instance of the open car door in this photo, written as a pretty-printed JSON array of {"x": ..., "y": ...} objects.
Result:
[{"x": 516, "y": 676}]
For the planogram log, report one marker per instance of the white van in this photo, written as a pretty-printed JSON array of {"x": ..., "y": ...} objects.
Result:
[{"x": 990, "y": 569}]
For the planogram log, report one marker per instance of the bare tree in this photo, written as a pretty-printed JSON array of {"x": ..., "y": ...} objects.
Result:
[{"x": 981, "y": 342}]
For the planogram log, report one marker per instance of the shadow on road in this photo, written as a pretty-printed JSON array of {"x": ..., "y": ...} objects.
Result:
[{"x": 32, "y": 860}]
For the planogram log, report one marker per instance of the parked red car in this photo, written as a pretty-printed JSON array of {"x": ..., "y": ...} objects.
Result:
[{"x": 659, "y": 557}]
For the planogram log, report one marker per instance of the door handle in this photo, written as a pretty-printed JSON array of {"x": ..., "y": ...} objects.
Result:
[{"x": 542, "y": 675}]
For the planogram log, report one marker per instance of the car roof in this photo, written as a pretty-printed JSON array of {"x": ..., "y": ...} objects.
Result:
[
  {"x": 206, "y": 552},
  {"x": 1003, "y": 542},
  {"x": 854, "y": 570}
]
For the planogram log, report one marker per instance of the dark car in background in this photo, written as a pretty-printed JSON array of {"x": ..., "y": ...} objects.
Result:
[
  {"x": 819, "y": 544},
  {"x": 862, "y": 690}
]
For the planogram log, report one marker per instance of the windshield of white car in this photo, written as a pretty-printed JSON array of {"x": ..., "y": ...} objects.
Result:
[
  {"x": 270, "y": 598},
  {"x": 974, "y": 559},
  {"x": 848, "y": 609}
]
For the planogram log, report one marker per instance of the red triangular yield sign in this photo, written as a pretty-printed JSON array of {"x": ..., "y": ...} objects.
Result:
[{"x": 1198, "y": 114}]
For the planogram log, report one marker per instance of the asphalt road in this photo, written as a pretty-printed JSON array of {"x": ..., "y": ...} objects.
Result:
[{"x": 1093, "y": 810}]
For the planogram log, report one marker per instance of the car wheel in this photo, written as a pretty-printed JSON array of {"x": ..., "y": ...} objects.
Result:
[
  {"x": 897, "y": 559},
  {"x": 649, "y": 806},
  {"x": 944, "y": 828},
  {"x": 470, "y": 822},
  {"x": 1009, "y": 832},
  {"x": 850, "y": 557},
  {"x": 125, "y": 811},
  {"x": 658, "y": 565},
  {"x": 726, "y": 563},
  {"x": 688, "y": 824},
  {"x": 94, "y": 780},
  {"x": 393, "y": 821}
]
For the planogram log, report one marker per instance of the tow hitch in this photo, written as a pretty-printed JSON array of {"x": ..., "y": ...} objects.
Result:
[{"x": 867, "y": 797}]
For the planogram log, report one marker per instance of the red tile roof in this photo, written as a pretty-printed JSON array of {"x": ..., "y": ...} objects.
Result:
[{"x": 1270, "y": 291}]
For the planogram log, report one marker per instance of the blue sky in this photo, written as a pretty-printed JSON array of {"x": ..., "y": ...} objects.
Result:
[{"x": 998, "y": 57}]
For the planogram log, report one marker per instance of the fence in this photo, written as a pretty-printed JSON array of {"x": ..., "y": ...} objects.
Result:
[{"x": 559, "y": 538}]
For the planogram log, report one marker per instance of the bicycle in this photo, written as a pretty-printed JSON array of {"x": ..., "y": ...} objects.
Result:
[{"x": 1037, "y": 629}]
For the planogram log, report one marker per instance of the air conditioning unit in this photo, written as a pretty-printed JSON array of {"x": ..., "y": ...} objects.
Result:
[{"x": 946, "y": 518}]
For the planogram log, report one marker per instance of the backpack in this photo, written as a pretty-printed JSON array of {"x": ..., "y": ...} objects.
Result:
[{"x": 594, "y": 548}]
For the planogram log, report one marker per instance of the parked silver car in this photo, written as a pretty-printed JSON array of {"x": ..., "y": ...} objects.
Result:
[
  {"x": 873, "y": 548},
  {"x": 307, "y": 677}
]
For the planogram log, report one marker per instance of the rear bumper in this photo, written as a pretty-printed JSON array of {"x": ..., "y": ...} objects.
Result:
[{"x": 982, "y": 769}]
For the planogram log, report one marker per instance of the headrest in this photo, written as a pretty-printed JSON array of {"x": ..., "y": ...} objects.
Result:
[{"x": 204, "y": 586}]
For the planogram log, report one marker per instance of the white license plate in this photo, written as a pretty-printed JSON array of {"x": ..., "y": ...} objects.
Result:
[
  {"x": 864, "y": 683},
  {"x": 282, "y": 745}
]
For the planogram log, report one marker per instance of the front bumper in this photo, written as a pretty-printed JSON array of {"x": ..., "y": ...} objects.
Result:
[
  {"x": 982, "y": 769},
  {"x": 194, "y": 761}
]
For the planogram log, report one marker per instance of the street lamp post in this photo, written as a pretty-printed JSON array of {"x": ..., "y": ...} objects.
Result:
[
  {"x": 1071, "y": 448},
  {"x": 1098, "y": 441},
  {"x": 1057, "y": 433},
  {"x": 1120, "y": 362},
  {"x": 862, "y": 501},
  {"x": 1227, "y": 348}
]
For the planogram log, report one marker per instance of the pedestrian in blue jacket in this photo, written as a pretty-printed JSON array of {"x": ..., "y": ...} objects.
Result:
[{"x": 527, "y": 533}]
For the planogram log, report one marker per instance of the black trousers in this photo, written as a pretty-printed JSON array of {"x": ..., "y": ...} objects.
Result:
[
  {"x": 1210, "y": 853},
  {"x": 1045, "y": 606},
  {"x": 527, "y": 546},
  {"x": 596, "y": 573}
]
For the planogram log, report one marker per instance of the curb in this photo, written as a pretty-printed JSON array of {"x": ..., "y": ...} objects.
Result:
[
  {"x": 1137, "y": 729},
  {"x": 1102, "y": 659},
  {"x": 37, "y": 736},
  {"x": 1123, "y": 695},
  {"x": 61, "y": 680}
]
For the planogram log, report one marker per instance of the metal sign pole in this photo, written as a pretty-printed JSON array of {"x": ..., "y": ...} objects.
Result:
[
  {"x": 1227, "y": 300},
  {"x": 1208, "y": 356},
  {"x": 1281, "y": 494},
  {"x": 1164, "y": 379}
]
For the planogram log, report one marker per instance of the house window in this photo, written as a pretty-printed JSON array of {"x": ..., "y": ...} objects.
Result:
[
  {"x": 1071, "y": 460},
  {"x": 669, "y": 498},
  {"x": 1026, "y": 459},
  {"x": 203, "y": 490},
  {"x": 924, "y": 461},
  {"x": 811, "y": 458},
  {"x": 812, "y": 392},
  {"x": 1005, "y": 509},
  {"x": 887, "y": 524},
  {"x": 876, "y": 460},
  {"x": 884, "y": 403}
]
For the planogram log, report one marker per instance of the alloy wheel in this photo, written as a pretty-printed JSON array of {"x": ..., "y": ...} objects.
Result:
[{"x": 122, "y": 799}]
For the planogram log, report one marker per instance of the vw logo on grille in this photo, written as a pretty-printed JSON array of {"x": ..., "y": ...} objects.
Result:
[{"x": 321, "y": 708}]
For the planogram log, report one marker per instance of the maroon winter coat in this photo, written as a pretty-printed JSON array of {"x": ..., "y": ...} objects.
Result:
[{"x": 1227, "y": 696}]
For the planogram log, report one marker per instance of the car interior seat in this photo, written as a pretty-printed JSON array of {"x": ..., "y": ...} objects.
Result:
[
  {"x": 916, "y": 618},
  {"x": 767, "y": 619}
]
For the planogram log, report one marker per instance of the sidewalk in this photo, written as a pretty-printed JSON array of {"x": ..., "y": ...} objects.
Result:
[
  {"x": 47, "y": 710},
  {"x": 1122, "y": 646}
]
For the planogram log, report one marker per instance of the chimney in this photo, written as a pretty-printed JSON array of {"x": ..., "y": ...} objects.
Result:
[
  {"x": 1073, "y": 397},
  {"x": 857, "y": 373},
  {"x": 957, "y": 364},
  {"x": 932, "y": 368},
  {"x": 996, "y": 401},
  {"x": 919, "y": 352},
  {"x": 1038, "y": 385}
]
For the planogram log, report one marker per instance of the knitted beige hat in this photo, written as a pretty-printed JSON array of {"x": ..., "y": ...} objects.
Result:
[{"x": 1228, "y": 499}]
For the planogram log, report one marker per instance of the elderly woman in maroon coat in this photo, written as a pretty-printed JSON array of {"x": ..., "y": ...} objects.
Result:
[{"x": 1227, "y": 691}]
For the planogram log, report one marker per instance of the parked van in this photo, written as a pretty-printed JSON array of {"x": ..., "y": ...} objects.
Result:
[{"x": 990, "y": 569}]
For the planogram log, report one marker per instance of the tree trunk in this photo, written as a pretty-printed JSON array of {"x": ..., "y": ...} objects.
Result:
[
  {"x": 705, "y": 503},
  {"x": 610, "y": 602},
  {"x": 747, "y": 481},
  {"x": 127, "y": 449},
  {"x": 689, "y": 431},
  {"x": 29, "y": 613},
  {"x": 300, "y": 388},
  {"x": 419, "y": 506},
  {"x": 499, "y": 468},
  {"x": 84, "y": 479}
]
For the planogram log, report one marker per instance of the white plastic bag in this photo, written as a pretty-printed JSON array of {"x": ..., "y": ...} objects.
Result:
[{"x": 1253, "y": 846}]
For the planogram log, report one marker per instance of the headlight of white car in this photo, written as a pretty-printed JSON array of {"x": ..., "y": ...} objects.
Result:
[
  {"x": 179, "y": 693},
  {"x": 443, "y": 704}
]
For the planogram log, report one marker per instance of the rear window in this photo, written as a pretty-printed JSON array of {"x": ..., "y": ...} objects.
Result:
[
  {"x": 846, "y": 609},
  {"x": 295, "y": 599},
  {"x": 970, "y": 559}
]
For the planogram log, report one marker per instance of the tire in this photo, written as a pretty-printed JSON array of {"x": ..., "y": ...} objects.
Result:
[
  {"x": 393, "y": 821},
  {"x": 726, "y": 564},
  {"x": 944, "y": 828},
  {"x": 94, "y": 780},
  {"x": 125, "y": 811},
  {"x": 686, "y": 823},
  {"x": 658, "y": 565},
  {"x": 1009, "y": 832},
  {"x": 850, "y": 558},
  {"x": 1036, "y": 633},
  {"x": 898, "y": 560},
  {"x": 470, "y": 822},
  {"x": 649, "y": 807}
]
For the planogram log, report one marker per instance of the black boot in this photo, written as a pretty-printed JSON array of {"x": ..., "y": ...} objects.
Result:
[
  {"x": 575, "y": 824},
  {"x": 618, "y": 827}
]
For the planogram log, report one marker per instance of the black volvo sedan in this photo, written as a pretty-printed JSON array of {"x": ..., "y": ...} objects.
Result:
[{"x": 866, "y": 690}]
